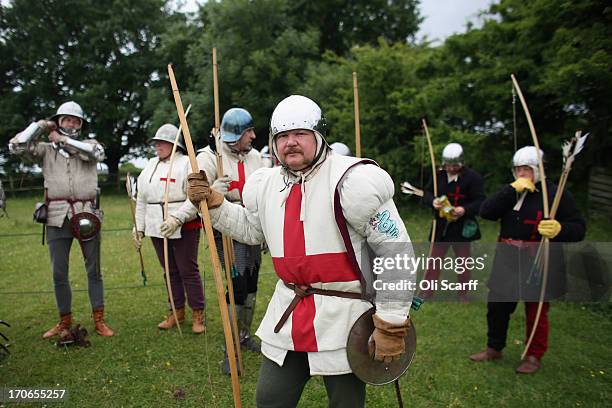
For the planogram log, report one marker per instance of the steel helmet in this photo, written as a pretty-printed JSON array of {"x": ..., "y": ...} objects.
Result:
[
  {"x": 298, "y": 112},
  {"x": 452, "y": 154},
  {"x": 167, "y": 133},
  {"x": 527, "y": 156},
  {"x": 341, "y": 149},
  {"x": 69, "y": 108},
  {"x": 235, "y": 122}
]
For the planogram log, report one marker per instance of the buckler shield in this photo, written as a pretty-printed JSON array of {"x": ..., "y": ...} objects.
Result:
[
  {"x": 363, "y": 365},
  {"x": 85, "y": 226}
]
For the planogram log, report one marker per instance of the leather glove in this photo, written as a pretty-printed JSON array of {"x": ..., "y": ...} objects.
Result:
[
  {"x": 169, "y": 226},
  {"x": 549, "y": 228},
  {"x": 198, "y": 189},
  {"x": 521, "y": 184},
  {"x": 222, "y": 184},
  {"x": 137, "y": 237},
  {"x": 387, "y": 341}
]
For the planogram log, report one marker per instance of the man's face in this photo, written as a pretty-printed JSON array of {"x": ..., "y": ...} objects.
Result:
[
  {"x": 163, "y": 149},
  {"x": 296, "y": 148},
  {"x": 452, "y": 169},
  {"x": 524, "y": 172},
  {"x": 70, "y": 122},
  {"x": 245, "y": 143}
]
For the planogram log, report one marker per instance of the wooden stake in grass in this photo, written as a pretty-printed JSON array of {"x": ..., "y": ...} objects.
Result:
[
  {"x": 228, "y": 245},
  {"x": 357, "y": 126},
  {"x": 214, "y": 257}
]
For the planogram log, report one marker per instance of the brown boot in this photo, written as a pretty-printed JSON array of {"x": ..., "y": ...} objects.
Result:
[
  {"x": 197, "y": 318},
  {"x": 487, "y": 355},
  {"x": 101, "y": 328},
  {"x": 64, "y": 324},
  {"x": 170, "y": 321},
  {"x": 529, "y": 365}
]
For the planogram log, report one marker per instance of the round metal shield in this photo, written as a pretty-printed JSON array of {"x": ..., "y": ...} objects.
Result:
[
  {"x": 365, "y": 367},
  {"x": 84, "y": 226}
]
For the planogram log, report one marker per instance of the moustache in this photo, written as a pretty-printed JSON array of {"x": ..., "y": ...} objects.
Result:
[{"x": 290, "y": 150}]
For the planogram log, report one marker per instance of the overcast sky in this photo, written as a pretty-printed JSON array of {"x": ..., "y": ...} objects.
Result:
[{"x": 445, "y": 17}]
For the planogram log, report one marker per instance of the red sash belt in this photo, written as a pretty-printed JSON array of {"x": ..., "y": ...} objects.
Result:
[
  {"x": 192, "y": 225},
  {"x": 521, "y": 244}
]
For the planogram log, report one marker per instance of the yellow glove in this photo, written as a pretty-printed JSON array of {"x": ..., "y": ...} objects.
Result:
[
  {"x": 549, "y": 228},
  {"x": 521, "y": 184}
]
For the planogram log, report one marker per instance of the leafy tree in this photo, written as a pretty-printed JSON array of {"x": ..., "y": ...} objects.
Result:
[
  {"x": 386, "y": 76},
  {"x": 99, "y": 54},
  {"x": 261, "y": 59},
  {"x": 560, "y": 54},
  {"x": 346, "y": 23}
]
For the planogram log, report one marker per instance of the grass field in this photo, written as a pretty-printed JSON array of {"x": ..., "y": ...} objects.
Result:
[{"x": 142, "y": 366}]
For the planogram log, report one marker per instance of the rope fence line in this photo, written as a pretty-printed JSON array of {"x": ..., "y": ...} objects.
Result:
[
  {"x": 30, "y": 234},
  {"x": 205, "y": 278}
]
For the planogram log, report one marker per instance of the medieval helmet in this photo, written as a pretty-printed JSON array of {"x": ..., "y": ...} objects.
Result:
[
  {"x": 341, "y": 149},
  {"x": 452, "y": 154},
  {"x": 298, "y": 112},
  {"x": 69, "y": 108},
  {"x": 235, "y": 122},
  {"x": 167, "y": 133},
  {"x": 528, "y": 156}
]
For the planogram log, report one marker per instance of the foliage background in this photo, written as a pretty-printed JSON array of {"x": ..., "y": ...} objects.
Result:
[{"x": 113, "y": 60}]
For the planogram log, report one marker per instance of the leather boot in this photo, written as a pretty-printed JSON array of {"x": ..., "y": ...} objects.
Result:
[
  {"x": 170, "y": 321},
  {"x": 529, "y": 365},
  {"x": 64, "y": 324},
  {"x": 197, "y": 320},
  {"x": 487, "y": 355},
  {"x": 101, "y": 328}
]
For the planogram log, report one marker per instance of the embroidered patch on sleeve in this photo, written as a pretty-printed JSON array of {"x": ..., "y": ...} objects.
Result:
[{"x": 383, "y": 223}]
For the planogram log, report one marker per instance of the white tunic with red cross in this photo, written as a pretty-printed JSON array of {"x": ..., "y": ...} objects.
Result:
[
  {"x": 151, "y": 188},
  {"x": 299, "y": 225},
  {"x": 238, "y": 167}
]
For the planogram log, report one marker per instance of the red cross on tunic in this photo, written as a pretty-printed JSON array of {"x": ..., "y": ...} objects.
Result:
[
  {"x": 535, "y": 223},
  {"x": 456, "y": 196},
  {"x": 297, "y": 267},
  {"x": 172, "y": 180},
  {"x": 238, "y": 184}
]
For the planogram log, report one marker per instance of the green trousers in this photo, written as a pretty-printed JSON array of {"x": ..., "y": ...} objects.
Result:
[{"x": 281, "y": 387}]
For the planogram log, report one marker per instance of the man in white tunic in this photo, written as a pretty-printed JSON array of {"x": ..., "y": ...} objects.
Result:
[
  {"x": 240, "y": 161},
  {"x": 325, "y": 217}
]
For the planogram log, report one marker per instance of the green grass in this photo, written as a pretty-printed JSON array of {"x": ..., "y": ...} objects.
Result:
[{"x": 143, "y": 366}]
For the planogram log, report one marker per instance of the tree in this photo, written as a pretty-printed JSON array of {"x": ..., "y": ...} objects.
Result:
[
  {"x": 559, "y": 52},
  {"x": 101, "y": 55},
  {"x": 261, "y": 59},
  {"x": 346, "y": 23}
]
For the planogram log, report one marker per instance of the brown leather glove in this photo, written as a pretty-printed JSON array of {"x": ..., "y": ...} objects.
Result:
[
  {"x": 198, "y": 189},
  {"x": 387, "y": 341}
]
